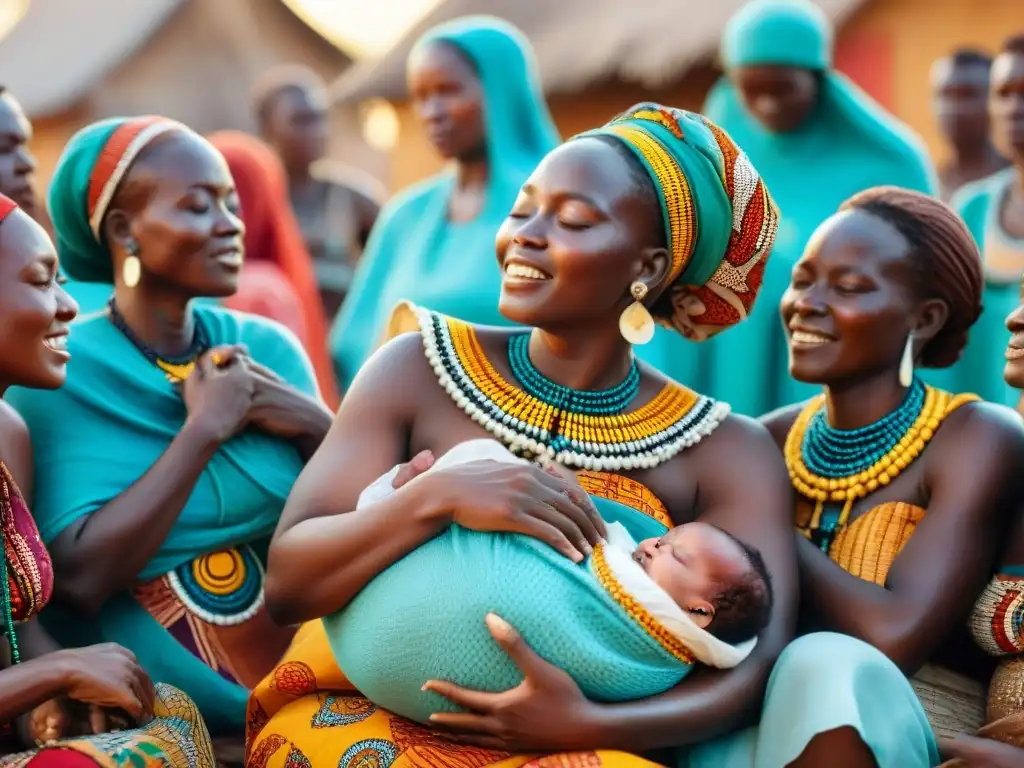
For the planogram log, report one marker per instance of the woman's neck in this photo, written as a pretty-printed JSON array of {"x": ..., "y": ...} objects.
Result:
[
  {"x": 163, "y": 323},
  {"x": 974, "y": 156},
  {"x": 588, "y": 361},
  {"x": 857, "y": 404},
  {"x": 472, "y": 173}
]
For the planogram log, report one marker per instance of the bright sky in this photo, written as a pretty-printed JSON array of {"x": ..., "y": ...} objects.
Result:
[{"x": 362, "y": 27}]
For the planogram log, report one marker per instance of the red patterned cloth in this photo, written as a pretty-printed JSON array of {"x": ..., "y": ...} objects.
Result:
[{"x": 29, "y": 570}]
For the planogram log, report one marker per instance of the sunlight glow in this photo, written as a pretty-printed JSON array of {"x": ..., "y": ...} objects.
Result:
[{"x": 362, "y": 27}]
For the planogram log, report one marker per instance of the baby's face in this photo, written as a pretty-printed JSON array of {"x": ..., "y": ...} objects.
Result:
[{"x": 691, "y": 562}]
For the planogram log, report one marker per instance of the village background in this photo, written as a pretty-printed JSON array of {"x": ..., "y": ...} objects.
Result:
[{"x": 70, "y": 62}]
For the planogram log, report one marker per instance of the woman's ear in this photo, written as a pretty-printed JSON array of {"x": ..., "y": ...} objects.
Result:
[
  {"x": 930, "y": 317},
  {"x": 117, "y": 228}
]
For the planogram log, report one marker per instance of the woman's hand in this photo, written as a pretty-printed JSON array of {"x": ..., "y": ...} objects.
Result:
[
  {"x": 109, "y": 677},
  {"x": 219, "y": 393},
  {"x": 974, "y": 752},
  {"x": 281, "y": 410},
  {"x": 519, "y": 498},
  {"x": 547, "y": 712},
  {"x": 64, "y": 718}
]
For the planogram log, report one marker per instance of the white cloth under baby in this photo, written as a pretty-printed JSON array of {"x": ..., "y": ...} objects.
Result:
[{"x": 618, "y": 552}]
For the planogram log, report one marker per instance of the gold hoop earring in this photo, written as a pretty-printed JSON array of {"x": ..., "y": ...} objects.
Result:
[
  {"x": 907, "y": 362},
  {"x": 635, "y": 323},
  {"x": 131, "y": 270}
]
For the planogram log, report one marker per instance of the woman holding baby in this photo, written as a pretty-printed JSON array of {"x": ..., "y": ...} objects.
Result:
[{"x": 656, "y": 215}]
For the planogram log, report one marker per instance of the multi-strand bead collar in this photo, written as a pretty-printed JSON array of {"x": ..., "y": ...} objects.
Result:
[
  {"x": 828, "y": 465},
  {"x": 176, "y": 369},
  {"x": 546, "y": 421}
]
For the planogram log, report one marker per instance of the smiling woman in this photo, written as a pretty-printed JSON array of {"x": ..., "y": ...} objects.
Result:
[{"x": 160, "y": 529}]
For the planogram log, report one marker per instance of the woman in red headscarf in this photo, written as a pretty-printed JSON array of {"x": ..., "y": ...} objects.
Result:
[{"x": 278, "y": 279}]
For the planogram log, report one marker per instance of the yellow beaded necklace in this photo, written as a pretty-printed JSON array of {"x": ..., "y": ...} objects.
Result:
[
  {"x": 848, "y": 490},
  {"x": 672, "y": 420}
]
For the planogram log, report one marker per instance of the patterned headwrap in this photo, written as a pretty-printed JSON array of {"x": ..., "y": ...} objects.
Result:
[
  {"x": 93, "y": 164},
  {"x": 720, "y": 221}
]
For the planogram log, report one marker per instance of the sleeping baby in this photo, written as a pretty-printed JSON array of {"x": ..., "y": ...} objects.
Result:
[{"x": 628, "y": 622}]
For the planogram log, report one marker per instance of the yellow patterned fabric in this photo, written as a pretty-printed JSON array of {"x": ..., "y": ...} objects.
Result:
[
  {"x": 624, "y": 490},
  {"x": 306, "y": 713},
  {"x": 867, "y": 547},
  {"x": 176, "y": 737}
]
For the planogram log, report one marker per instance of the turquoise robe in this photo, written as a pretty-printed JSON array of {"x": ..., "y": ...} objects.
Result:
[
  {"x": 415, "y": 253},
  {"x": 103, "y": 430},
  {"x": 847, "y": 144},
  {"x": 980, "y": 368}
]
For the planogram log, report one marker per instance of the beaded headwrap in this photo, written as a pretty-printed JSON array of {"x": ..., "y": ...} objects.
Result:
[
  {"x": 720, "y": 221},
  {"x": 92, "y": 166}
]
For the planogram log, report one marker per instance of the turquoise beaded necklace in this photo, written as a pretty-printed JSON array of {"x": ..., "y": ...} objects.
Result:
[
  {"x": 834, "y": 453},
  {"x": 8, "y": 609},
  {"x": 603, "y": 402}
]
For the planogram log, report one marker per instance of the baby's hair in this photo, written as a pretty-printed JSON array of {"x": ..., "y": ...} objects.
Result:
[{"x": 744, "y": 607}]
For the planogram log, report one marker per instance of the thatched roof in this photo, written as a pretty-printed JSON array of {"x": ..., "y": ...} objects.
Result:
[
  {"x": 579, "y": 42},
  {"x": 61, "y": 50}
]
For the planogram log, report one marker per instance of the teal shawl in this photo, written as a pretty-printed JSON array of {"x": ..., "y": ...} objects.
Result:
[
  {"x": 106, "y": 427},
  {"x": 980, "y": 368},
  {"x": 848, "y": 144},
  {"x": 423, "y": 619},
  {"x": 414, "y": 252}
]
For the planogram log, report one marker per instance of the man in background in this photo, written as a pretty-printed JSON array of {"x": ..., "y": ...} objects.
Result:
[
  {"x": 960, "y": 85},
  {"x": 334, "y": 211}
]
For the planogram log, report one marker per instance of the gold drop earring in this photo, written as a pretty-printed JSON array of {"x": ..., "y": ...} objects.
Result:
[
  {"x": 635, "y": 323},
  {"x": 131, "y": 270}
]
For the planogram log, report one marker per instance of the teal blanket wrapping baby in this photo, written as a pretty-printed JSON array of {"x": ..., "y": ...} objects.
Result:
[{"x": 423, "y": 617}]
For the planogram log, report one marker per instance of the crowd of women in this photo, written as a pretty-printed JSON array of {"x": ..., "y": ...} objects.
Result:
[{"x": 181, "y": 488}]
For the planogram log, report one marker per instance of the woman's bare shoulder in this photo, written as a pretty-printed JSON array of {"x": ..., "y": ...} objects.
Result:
[{"x": 780, "y": 421}]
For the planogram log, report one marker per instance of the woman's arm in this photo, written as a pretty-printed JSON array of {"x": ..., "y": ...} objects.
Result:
[
  {"x": 973, "y": 474},
  {"x": 103, "y": 552},
  {"x": 25, "y": 686},
  {"x": 323, "y": 553},
  {"x": 743, "y": 488}
]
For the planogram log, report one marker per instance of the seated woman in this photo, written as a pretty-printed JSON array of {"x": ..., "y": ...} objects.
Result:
[
  {"x": 897, "y": 539},
  {"x": 47, "y": 693},
  {"x": 596, "y": 244},
  {"x": 164, "y": 462},
  {"x": 997, "y": 625}
]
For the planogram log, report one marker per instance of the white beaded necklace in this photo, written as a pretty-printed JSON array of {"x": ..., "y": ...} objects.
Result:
[{"x": 696, "y": 420}]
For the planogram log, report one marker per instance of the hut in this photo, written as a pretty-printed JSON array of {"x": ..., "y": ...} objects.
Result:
[{"x": 70, "y": 62}]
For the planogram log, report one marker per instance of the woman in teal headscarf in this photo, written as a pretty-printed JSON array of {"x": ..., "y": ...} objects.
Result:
[
  {"x": 816, "y": 139},
  {"x": 993, "y": 209},
  {"x": 164, "y": 462},
  {"x": 474, "y": 86}
]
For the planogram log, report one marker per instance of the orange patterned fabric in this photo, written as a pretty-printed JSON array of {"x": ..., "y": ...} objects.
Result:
[
  {"x": 335, "y": 726},
  {"x": 307, "y": 713},
  {"x": 713, "y": 280},
  {"x": 624, "y": 490},
  {"x": 867, "y": 547}
]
